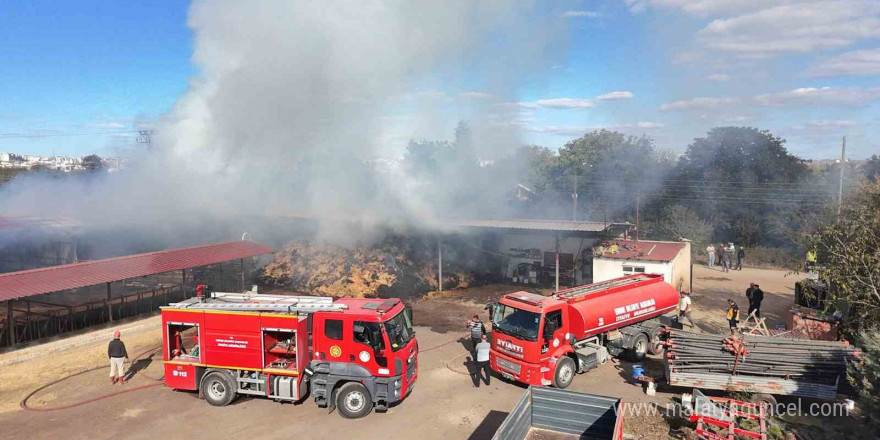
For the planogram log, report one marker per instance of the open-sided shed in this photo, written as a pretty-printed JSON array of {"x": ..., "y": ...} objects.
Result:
[{"x": 27, "y": 312}]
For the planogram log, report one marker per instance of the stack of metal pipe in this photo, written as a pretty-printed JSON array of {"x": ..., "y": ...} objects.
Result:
[{"x": 813, "y": 361}]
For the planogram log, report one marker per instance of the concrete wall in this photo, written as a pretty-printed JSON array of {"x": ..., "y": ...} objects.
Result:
[{"x": 681, "y": 269}]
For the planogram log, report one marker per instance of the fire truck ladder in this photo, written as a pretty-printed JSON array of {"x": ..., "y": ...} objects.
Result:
[
  {"x": 600, "y": 286},
  {"x": 245, "y": 302}
]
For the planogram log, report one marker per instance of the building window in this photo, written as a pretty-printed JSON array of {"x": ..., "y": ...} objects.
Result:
[
  {"x": 333, "y": 329},
  {"x": 629, "y": 270}
]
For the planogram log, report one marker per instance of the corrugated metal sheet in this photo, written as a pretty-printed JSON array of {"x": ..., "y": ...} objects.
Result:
[
  {"x": 537, "y": 225},
  {"x": 582, "y": 414},
  {"x": 644, "y": 250},
  {"x": 26, "y": 283},
  {"x": 518, "y": 422},
  {"x": 755, "y": 384}
]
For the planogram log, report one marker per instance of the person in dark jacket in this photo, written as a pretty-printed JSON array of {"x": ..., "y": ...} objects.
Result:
[
  {"x": 117, "y": 354},
  {"x": 740, "y": 254},
  {"x": 755, "y": 299}
]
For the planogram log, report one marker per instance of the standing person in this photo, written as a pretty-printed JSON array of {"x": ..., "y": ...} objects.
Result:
[
  {"x": 117, "y": 354},
  {"x": 749, "y": 292},
  {"x": 711, "y": 251},
  {"x": 725, "y": 259},
  {"x": 477, "y": 331},
  {"x": 755, "y": 300},
  {"x": 684, "y": 308},
  {"x": 740, "y": 254},
  {"x": 482, "y": 358},
  {"x": 732, "y": 315}
]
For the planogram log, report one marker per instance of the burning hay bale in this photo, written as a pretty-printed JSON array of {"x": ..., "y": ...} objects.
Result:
[{"x": 395, "y": 266}]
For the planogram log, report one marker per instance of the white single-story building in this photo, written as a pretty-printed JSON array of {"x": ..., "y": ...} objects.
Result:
[{"x": 618, "y": 258}]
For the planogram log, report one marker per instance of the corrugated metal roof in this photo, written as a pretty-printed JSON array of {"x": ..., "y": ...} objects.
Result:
[
  {"x": 643, "y": 250},
  {"x": 537, "y": 225},
  {"x": 71, "y": 276}
]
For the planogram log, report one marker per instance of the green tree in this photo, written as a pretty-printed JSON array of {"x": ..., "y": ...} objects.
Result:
[
  {"x": 92, "y": 163},
  {"x": 871, "y": 169},
  {"x": 676, "y": 222},
  {"x": 865, "y": 378},
  {"x": 848, "y": 253},
  {"x": 612, "y": 170},
  {"x": 741, "y": 179}
]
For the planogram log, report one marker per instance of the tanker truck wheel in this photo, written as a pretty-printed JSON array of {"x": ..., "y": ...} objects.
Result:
[
  {"x": 353, "y": 400},
  {"x": 656, "y": 343},
  {"x": 564, "y": 374},
  {"x": 218, "y": 388},
  {"x": 639, "y": 347}
]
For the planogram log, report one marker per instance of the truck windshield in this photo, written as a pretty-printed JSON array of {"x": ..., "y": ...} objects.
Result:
[
  {"x": 516, "y": 322},
  {"x": 399, "y": 329}
]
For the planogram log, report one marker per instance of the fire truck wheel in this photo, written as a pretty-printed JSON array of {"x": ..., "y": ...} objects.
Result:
[
  {"x": 218, "y": 388},
  {"x": 640, "y": 347},
  {"x": 565, "y": 370},
  {"x": 656, "y": 343},
  {"x": 353, "y": 401}
]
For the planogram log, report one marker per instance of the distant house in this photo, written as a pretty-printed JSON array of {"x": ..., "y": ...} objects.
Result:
[
  {"x": 617, "y": 258},
  {"x": 522, "y": 192}
]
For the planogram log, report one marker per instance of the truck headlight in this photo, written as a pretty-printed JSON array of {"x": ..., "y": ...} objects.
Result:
[
  {"x": 397, "y": 383},
  {"x": 396, "y": 393}
]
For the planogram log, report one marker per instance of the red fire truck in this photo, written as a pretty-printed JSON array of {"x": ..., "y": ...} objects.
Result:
[
  {"x": 546, "y": 340},
  {"x": 351, "y": 354}
]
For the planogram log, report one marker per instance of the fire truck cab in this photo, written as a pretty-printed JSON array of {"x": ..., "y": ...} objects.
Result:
[
  {"x": 350, "y": 354},
  {"x": 541, "y": 340}
]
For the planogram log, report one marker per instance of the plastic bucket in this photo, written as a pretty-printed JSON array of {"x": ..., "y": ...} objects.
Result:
[{"x": 638, "y": 370}]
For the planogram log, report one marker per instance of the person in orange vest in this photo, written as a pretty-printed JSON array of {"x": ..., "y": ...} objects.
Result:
[{"x": 732, "y": 316}]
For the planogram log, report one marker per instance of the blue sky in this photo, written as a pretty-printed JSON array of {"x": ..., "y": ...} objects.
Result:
[{"x": 808, "y": 70}]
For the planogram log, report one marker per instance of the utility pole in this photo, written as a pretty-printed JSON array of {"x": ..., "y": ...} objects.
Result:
[
  {"x": 842, "y": 165},
  {"x": 574, "y": 199},
  {"x": 146, "y": 137},
  {"x": 638, "y": 202}
]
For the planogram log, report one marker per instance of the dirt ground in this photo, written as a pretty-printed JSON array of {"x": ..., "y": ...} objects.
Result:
[{"x": 443, "y": 405}]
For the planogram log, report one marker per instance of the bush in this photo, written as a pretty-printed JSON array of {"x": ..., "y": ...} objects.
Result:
[{"x": 865, "y": 377}]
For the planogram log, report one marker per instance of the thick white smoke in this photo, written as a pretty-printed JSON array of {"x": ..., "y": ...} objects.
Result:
[{"x": 292, "y": 97}]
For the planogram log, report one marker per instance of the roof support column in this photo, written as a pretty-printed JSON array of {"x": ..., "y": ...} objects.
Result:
[
  {"x": 10, "y": 324},
  {"x": 439, "y": 264},
  {"x": 242, "y": 275},
  {"x": 109, "y": 306},
  {"x": 557, "y": 263}
]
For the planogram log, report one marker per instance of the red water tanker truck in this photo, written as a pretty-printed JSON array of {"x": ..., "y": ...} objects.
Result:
[
  {"x": 541, "y": 340},
  {"x": 350, "y": 354}
]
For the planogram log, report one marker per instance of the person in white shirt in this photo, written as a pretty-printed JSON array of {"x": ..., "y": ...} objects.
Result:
[
  {"x": 482, "y": 361},
  {"x": 684, "y": 308},
  {"x": 711, "y": 251}
]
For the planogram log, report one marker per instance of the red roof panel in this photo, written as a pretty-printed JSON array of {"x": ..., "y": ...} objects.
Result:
[
  {"x": 643, "y": 250},
  {"x": 72, "y": 276}
]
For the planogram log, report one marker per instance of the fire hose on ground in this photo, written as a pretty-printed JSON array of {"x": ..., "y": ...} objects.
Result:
[
  {"x": 24, "y": 402},
  {"x": 158, "y": 381}
]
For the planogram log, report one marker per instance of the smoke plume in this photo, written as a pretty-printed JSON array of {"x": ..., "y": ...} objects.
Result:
[{"x": 292, "y": 99}]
